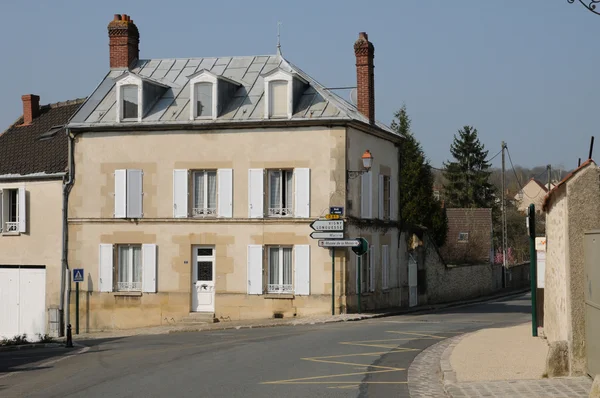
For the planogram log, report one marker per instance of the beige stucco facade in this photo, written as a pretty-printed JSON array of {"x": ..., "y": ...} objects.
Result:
[
  {"x": 326, "y": 151},
  {"x": 532, "y": 192},
  {"x": 572, "y": 209},
  {"x": 40, "y": 245}
]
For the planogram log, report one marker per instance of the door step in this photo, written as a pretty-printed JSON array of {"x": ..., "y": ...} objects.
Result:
[{"x": 199, "y": 318}]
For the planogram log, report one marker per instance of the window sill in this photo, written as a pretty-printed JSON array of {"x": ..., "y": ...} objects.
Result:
[
  {"x": 11, "y": 233},
  {"x": 134, "y": 294},
  {"x": 278, "y": 296}
]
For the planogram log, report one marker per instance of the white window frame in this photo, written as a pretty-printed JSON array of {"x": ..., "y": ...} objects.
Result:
[
  {"x": 274, "y": 212},
  {"x": 207, "y": 212},
  {"x": 292, "y": 79},
  {"x": 130, "y": 285},
  {"x": 18, "y": 225},
  {"x": 126, "y": 198},
  {"x": 203, "y": 77},
  {"x": 128, "y": 79},
  {"x": 282, "y": 288}
]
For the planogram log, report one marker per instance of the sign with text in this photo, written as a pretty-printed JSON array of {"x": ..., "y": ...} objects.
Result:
[
  {"x": 336, "y": 210},
  {"x": 339, "y": 243},
  {"x": 327, "y": 225},
  {"x": 327, "y": 235},
  {"x": 78, "y": 275}
]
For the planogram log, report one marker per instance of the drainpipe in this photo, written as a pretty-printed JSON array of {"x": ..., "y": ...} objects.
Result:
[{"x": 64, "y": 280}]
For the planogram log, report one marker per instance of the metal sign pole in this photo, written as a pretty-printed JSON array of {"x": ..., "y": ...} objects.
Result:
[
  {"x": 332, "y": 281},
  {"x": 359, "y": 282},
  {"x": 76, "y": 307}
]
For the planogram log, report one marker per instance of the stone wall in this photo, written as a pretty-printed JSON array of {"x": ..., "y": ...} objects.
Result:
[{"x": 519, "y": 276}]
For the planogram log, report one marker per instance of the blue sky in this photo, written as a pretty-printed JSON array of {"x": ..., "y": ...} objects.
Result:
[{"x": 518, "y": 71}]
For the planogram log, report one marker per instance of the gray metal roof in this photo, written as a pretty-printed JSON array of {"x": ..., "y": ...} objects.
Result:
[{"x": 247, "y": 104}]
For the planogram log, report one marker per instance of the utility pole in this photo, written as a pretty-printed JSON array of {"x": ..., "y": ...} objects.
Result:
[
  {"x": 504, "y": 237},
  {"x": 549, "y": 167}
]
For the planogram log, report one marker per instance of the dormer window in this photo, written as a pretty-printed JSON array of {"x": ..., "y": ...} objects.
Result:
[
  {"x": 204, "y": 99},
  {"x": 129, "y": 101},
  {"x": 209, "y": 94},
  {"x": 278, "y": 95},
  {"x": 282, "y": 91},
  {"x": 136, "y": 95}
]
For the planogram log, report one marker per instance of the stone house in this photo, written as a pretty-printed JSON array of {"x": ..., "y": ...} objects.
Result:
[
  {"x": 572, "y": 207},
  {"x": 33, "y": 167},
  {"x": 195, "y": 181},
  {"x": 533, "y": 192},
  {"x": 469, "y": 238}
]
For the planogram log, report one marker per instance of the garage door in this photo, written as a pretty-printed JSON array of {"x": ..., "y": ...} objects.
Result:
[{"x": 22, "y": 301}]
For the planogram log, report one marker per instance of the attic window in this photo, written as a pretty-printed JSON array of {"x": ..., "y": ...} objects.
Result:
[
  {"x": 51, "y": 132},
  {"x": 129, "y": 101},
  {"x": 463, "y": 236},
  {"x": 204, "y": 99},
  {"x": 278, "y": 95}
]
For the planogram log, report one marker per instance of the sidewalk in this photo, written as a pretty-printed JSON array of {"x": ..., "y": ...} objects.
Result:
[{"x": 512, "y": 364}]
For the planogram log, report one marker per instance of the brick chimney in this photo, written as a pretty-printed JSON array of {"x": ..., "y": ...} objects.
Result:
[
  {"x": 124, "y": 41},
  {"x": 31, "y": 108},
  {"x": 365, "y": 78}
]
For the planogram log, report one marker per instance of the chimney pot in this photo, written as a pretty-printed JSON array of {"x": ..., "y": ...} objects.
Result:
[
  {"x": 124, "y": 41},
  {"x": 365, "y": 76},
  {"x": 31, "y": 108}
]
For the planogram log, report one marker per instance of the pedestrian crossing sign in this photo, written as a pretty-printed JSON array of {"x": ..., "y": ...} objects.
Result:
[{"x": 78, "y": 275}]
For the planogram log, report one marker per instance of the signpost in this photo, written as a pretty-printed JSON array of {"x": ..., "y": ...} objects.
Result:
[
  {"x": 77, "y": 277},
  {"x": 339, "y": 243},
  {"x": 336, "y": 210},
  {"x": 328, "y": 225},
  {"x": 327, "y": 235}
]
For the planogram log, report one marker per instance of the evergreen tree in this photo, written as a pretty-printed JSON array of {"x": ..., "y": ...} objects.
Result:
[
  {"x": 417, "y": 204},
  {"x": 468, "y": 175}
]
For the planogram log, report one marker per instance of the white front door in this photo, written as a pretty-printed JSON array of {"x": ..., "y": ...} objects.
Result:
[{"x": 203, "y": 279}]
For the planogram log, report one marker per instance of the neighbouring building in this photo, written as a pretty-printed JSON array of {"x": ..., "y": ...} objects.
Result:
[
  {"x": 533, "y": 192},
  {"x": 572, "y": 208},
  {"x": 33, "y": 165},
  {"x": 195, "y": 182},
  {"x": 470, "y": 237}
]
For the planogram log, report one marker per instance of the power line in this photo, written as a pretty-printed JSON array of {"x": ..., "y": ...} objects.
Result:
[{"x": 517, "y": 177}]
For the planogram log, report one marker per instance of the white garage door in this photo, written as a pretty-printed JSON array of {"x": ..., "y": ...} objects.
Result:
[{"x": 22, "y": 302}]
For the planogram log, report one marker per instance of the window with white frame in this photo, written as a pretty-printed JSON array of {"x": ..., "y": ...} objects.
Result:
[
  {"x": 12, "y": 219},
  {"x": 281, "y": 191},
  {"x": 205, "y": 193},
  {"x": 13, "y": 210},
  {"x": 129, "y": 102},
  {"x": 129, "y": 271},
  {"x": 204, "y": 99},
  {"x": 280, "y": 269},
  {"x": 278, "y": 95},
  {"x": 128, "y": 193}
]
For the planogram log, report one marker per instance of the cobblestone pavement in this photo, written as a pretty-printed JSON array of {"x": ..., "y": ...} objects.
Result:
[
  {"x": 545, "y": 388},
  {"x": 424, "y": 375}
]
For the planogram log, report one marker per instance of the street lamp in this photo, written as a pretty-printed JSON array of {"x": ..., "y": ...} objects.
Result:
[
  {"x": 367, "y": 160},
  {"x": 589, "y": 4}
]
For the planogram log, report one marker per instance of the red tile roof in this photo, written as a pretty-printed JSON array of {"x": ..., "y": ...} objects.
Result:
[{"x": 563, "y": 181}]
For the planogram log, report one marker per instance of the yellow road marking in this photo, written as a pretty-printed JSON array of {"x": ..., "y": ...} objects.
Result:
[
  {"x": 390, "y": 346},
  {"x": 352, "y": 386},
  {"x": 328, "y": 376},
  {"x": 344, "y": 382},
  {"x": 367, "y": 354},
  {"x": 352, "y": 364},
  {"x": 416, "y": 334}
]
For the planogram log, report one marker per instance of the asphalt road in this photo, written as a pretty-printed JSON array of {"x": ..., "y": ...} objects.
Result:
[{"x": 350, "y": 359}]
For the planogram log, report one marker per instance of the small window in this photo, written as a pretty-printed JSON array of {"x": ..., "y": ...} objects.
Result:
[
  {"x": 280, "y": 193},
  {"x": 10, "y": 206},
  {"x": 386, "y": 197},
  {"x": 204, "y": 99},
  {"x": 129, "y": 272},
  {"x": 130, "y": 102},
  {"x": 280, "y": 270},
  {"x": 205, "y": 194},
  {"x": 463, "y": 237},
  {"x": 278, "y": 98}
]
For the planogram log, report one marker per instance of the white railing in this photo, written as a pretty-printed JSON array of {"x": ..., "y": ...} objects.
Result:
[
  {"x": 12, "y": 227},
  {"x": 203, "y": 212},
  {"x": 129, "y": 286},
  {"x": 280, "y": 289},
  {"x": 280, "y": 212}
]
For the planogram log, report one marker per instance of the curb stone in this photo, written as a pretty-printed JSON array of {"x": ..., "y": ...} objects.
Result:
[
  {"x": 448, "y": 373},
  {"x": 30, "y": 346}
]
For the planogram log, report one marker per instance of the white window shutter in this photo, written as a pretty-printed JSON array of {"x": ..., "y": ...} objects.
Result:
[
  {"x": 149, "y": 268},
  {"x": 255, "y": 271},
  {"x": 120, "y": 193},
  {"x": 105, "y": 267},
  {"x": 393, "y": 196},
  {"x": 225, "y": 192},
  {"x": 134, "y": 193},
  {"x": 302, "y": 192},
  {"x": 255, "y": 193},
  {"x": 380, "y": 197},
  {"x": 385, "y": 264},
  {"x": 22, "y": 210},
  {"x": 372, "y": 268},
  {"x": 302, "y": 269},
  {"x": 180, "y": 193}
]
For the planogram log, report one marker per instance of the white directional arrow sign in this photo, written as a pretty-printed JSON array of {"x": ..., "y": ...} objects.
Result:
[
  {"x": 327, "y": 225},
  {"x": 339, "y": 243},
  {"x": 327, "y": 235}
]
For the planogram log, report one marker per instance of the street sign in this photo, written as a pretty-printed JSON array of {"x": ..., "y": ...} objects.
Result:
[
  {"x": 327, "y": 235},
  {"x": 78, "y": 275},
  {"x": 336, "y": 210},
  {"x": 332, "y": 216},
  {"x": 327, "y": 225},
  {"x": 339, "y": 243}
]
